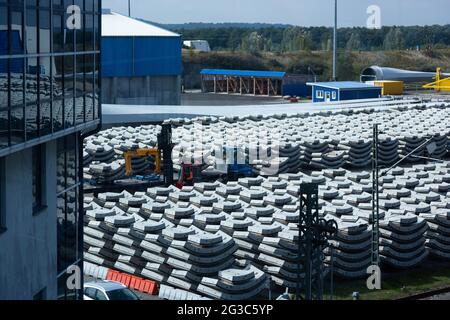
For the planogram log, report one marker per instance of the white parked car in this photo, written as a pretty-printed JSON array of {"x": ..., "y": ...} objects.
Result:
[{"x": 107, "y": 290}]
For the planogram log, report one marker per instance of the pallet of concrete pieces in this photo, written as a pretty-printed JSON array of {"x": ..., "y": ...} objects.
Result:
[
  {"x": 107, "y": 172},
  {"x": 323, "y": 141},
  {"x": 235, "y": 284},
  {"x": 402, "y": 243},
  {"x": 349, "y": 252},
  {"x": 256, "y": 220},
  {"x": 169, "y": 293},
  {"x": 195, "y": 261},
  {"x": 358, "y": 152},
  {"x": 438, "y": 234},
  {"x": 100, "y": 151},
  {"x": 178, "y": 256},
  {"x": 268, "y": 244}
]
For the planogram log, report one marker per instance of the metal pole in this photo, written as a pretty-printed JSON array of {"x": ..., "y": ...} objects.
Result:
[
  {"x": 299, "y": 251},
  {"x": 375, "y": 199},
  {"x": 332, "y": 273},
  {"x": 308, "y": 257},
  {"x": 335, "y": 40},
  {"x": 129, "y": 8}
]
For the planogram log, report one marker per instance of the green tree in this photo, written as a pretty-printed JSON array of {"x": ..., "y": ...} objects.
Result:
[
  {"x": 394, "y": 39},
  {"x": 354, "y": 43}
]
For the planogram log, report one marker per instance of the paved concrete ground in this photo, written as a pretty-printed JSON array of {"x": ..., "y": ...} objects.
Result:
[
  {"x": 129, "y": 114},
  {"x": 211, "y": 99}
]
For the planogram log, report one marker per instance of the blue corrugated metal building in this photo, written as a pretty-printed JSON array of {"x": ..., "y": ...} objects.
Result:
[
  {"x": 343, "y": 90},
  {"x": 141, "y": 63},
  {"x": 15, "y": 65},
  {"x": 141, "y": 56},
  {"x": 271, "y": 83}
]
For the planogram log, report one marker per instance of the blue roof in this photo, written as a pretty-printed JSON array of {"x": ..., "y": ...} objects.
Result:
[
  {"x": 340, "y": 85},
  {"x": 244, "y": 73}
]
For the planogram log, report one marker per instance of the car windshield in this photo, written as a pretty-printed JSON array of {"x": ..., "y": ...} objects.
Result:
[{"x": 122, "y": 294}]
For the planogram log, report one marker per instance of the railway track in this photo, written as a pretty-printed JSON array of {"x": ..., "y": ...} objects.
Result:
[{"x": 427, "y": 295}]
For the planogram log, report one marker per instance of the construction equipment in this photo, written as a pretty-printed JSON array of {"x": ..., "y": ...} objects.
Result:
[
  {"x": 235, "y": 171},
  {"x": 166, "y": 148},
  {"x": 162, "y": 156},
  {"x": 150, "y": 178},
  {"x": 441, "y": 84},
  {"x": 189, "y": 175},
  {"x": 235, "y": 165},
  {"x": 139, "y": 153}
]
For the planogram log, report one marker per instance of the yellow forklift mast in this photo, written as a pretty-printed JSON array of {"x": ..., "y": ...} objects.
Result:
[{"x": 141, "y": 153}]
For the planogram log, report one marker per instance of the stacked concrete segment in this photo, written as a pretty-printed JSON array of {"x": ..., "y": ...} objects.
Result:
[
  {"x": 186, "y": 258},
  {"x": 438, "y": 218},
  {"x": 350, "y": 252},
  {"x": 402, "y": 243},
  {"x": 304, "y": 141},
  {"x": 258, "y": 217}
]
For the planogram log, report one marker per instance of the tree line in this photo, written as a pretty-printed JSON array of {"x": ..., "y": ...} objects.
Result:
[{"x": 292, "y": 38}]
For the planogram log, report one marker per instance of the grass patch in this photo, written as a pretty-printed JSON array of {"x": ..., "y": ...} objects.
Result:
[{"x": 397, "y": 284}]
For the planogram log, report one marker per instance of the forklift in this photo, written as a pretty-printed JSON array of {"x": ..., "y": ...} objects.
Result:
[
  {"x": 146, "y": 152},
  {"x": 162, "y": 156},
  {"x": 189, "y": 175}
]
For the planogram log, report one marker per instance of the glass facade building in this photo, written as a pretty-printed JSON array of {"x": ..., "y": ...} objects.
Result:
[
  {"x": 48, "y": 71},
  {"x": 49, "y": 97}
]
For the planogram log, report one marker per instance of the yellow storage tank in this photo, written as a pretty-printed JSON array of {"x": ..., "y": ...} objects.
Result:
[{"x": 390, "y": 88}]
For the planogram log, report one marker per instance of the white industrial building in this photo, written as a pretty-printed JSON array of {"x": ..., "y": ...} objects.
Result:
[
  {"x": 141, "y": 63},
  {"x": 199, "y": 45}
]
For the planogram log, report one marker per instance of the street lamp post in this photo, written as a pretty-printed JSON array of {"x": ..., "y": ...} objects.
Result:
[
  {"x": 375, "y": 200},
  {"x": 335, "y": 41}
]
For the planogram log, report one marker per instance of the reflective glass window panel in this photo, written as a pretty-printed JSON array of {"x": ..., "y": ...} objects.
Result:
[
  {"x": 16, "y": 36},
  {"x": 45, "y": 92},
  {"x": 32, "y": 31},
  {"x": 31, "y": 96},
  {"x": 58, "y": 33},
  {"x": 44, "y": 31}
]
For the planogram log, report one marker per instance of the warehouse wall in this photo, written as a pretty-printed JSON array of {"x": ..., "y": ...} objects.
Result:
[
  {"x": 141, "y": 56},
  {"x": 360, "y": 94},
  {"x": 28, "y": 248},
  {"x": 155, "y": 90},
  {"x": 298, "y": 89}
]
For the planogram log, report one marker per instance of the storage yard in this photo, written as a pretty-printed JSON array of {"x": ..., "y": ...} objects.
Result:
[{"x": 227, "y": 239}]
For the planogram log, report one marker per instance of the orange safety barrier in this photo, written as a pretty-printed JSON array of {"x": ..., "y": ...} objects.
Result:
[
  {"x": 150, "y": 287},
  {"x": 112, "y": 275},
  {"x": 126, "y": 279},
  {"x": 133, "y": 282}
]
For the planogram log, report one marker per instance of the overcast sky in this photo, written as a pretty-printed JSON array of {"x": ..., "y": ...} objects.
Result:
[{"x": 296, "y": 12}]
